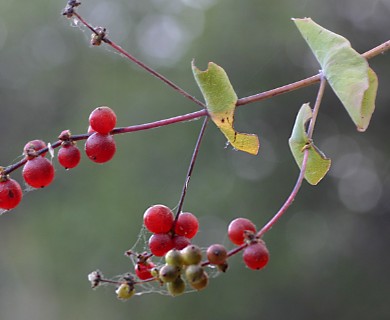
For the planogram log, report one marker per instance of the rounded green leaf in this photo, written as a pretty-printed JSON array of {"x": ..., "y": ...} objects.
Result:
[
  {"x": 346, "y": 70},
  {"x": 221, "y": 101}
]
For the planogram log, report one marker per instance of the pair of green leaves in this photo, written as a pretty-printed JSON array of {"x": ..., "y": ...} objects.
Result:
[{"x": 347, "y": 72}]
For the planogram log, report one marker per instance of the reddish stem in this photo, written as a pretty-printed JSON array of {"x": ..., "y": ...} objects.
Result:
[
  {"x": 141, "y": 64},
  {"x": 145, "y": 126},
  {"x": 190, "y": 169},
  {"x": 290, "y": 198}
]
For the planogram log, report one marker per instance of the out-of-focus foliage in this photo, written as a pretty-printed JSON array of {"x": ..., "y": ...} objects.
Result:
[{"x": 329, "y": 254}]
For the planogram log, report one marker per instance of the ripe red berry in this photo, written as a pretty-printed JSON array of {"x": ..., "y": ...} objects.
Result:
[
  {"x": 186, "y": 225},
  {"x": 10, "y": 193},
  {"x": 180, "y": 242},
  {"x": 216, "y": 254},
  {"x": 38, "y": 172},
  {"x": 90, "y": 130},
  {"x": 143, "y": 270},
  {"x": 69, "y": 155},
  {"x": 160, "y": 244},
  {"x": 237, "y": 229},
  {"x": 256, "y": 255},
  {"x": 100, "y": 148},
  {"x": 32, "y": 147},
  {"x": 102, "y": 119},
  {"x": 158, "y": 219}
]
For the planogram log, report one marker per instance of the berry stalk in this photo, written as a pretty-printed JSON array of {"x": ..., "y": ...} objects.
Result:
[{"x": 190, "y": 169}]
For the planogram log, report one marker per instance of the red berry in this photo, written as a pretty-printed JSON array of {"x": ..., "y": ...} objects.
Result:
[
  {"x": 186, "y": 225},
  {"x": 256, "y": 255},
  {"x": 102, "y": 120},
  {"x": 32, "y": 147},
  {"x": 216, "y": 254},
  {"x": 180, "y": 242},
  {"x": 38, "y": 172},
  {"x": 158, "y": 219},
  {"x": 237, "y": 228},
  {"x": 69, "y": 155},
  {"x": 10, "y": 193},
  {"x": 142, "y": 270},
  {"x": 160, "y": 244},
  {"x": 90, "y": 130},
  {"x": 100, "y": 148}
]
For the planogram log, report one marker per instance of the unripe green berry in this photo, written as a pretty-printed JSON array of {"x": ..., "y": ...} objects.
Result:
[
  {"x": 191, "y": 255},
  {"x": 169, "y": 273},
  {"x": 125, "y": 291},
  {"x": 194, "y": 273},
  {"x": 202, "y": 283},
  {"x": 176, "y": 287},
  {"x": 155, "y": 272},
  {"x": 174, "y": 258}
]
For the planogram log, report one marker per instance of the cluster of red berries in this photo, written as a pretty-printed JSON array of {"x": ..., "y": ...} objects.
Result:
[
  {"x": 38, "y": 171},
  {"x": 183, "y": 265},
  {"x": 169, "y": 233},
  {"x": 242, "y": 231}
]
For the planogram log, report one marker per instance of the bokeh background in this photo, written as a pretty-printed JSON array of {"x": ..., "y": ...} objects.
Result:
[{"x": 329, "y": 254}]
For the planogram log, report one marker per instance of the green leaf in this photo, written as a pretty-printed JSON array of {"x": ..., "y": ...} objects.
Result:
[
  {"x": 345, "y": 69},
  {"x": 221, "y": 101},
  {"x": 317, "y": 164}
]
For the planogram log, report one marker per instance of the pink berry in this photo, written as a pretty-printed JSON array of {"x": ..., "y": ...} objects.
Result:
[
  {"x": 160, "y": 244},
  {"x": 158, "y": 219},
  {"x": 102, "y": 119},
  {"x": 256, "y": 255},
  {"x": 180, "y": 242},
  {"x": 237, "y": 230},
  {"x": 186, "y": 225},
  {"x": 32, "y": 147},
  {"x": 38, "y": 172},
  {"x": 69, "y": 155},
  {"x": 216, "y": 254},
  {"x": 10, "y": 193},
  {"x": 100, "y": 148}
]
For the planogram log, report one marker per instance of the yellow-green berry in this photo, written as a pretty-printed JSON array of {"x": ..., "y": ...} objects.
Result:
[
  {"x": 191, "y": 255},
  {"x": 125, "y": 291},
  {"x": 176, "y": 287}
]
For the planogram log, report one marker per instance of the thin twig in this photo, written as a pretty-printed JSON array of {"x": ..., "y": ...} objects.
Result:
[
  {"x": 317, "y": 105},
  {"x": 301, "y": 176},
  {"x": 191, "y": 168},
  {"x": 290, "y": 198},
  {"x": 382, "y": 48},
  {"x": 141, "y": 64}
]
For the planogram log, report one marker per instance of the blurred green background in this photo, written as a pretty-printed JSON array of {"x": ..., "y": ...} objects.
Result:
[{"x": 329, "y": 254}]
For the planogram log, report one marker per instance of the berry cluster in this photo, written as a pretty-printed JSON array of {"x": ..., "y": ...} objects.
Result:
[
  {"x": 171, "y": 236},
  {"x": 100, "y": 146},
  {"x": 182, "y": 265},
  {"x": 169, "y": 233},
  {"x": 38, "y": 171}
]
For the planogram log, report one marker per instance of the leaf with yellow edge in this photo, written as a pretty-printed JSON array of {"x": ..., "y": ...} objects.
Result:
[
  {"x": 317, "y": 164},
  {"x": 347, "y": 72},
  {"x": 221, "y": 101}
]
